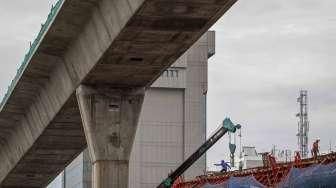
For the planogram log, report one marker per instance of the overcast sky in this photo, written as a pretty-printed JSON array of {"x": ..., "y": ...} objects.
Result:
[{"x": 267, "y": 50}]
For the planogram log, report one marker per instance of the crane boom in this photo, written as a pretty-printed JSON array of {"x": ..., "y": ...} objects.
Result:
[{"x": 227, "y": 126}]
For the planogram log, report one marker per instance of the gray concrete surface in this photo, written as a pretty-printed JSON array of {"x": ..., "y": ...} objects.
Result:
[
  {"x": 124, "y": 44},
  {"x": 110, "y": 119}
]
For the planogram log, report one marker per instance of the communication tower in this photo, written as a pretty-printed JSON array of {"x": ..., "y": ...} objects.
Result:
[{"x": 303, "y": 124}]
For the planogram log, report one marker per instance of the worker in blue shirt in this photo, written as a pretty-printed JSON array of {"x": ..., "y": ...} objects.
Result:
[{"x": 225, "y": 166}]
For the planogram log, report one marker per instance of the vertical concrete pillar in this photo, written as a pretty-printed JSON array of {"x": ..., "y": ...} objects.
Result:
[{"x": 110, "y": 118}]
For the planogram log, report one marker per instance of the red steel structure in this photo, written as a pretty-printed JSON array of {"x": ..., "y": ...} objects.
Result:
[{"x": 269, "y": 175}]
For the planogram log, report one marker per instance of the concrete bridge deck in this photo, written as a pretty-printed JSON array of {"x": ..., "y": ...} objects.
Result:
[{"x": 113, "y": 43}]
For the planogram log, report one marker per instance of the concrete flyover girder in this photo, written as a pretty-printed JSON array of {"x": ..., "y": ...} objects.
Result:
[{"x": 123, "y": 43}]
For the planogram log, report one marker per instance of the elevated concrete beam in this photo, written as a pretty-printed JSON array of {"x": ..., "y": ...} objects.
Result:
[
  {"x": 68, "y": 72},
  {"x": 124, "y": 43},
  {"x": 110, "y": 118}
]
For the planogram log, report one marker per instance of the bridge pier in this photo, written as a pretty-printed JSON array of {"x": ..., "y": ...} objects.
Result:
[{"x": 110, "y": 117}]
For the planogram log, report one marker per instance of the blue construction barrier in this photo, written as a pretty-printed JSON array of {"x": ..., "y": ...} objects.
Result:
[
  {"x": 315, "y": 176},
  {"x": 237, "y": 182}
]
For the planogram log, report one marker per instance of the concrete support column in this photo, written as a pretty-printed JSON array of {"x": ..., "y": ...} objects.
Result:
[
  {"x": 110, "y": 117},
  {"x": 110, "y": 173}
]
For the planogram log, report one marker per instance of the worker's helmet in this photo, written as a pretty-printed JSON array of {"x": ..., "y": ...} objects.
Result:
[{"x": 318, "y": 139}]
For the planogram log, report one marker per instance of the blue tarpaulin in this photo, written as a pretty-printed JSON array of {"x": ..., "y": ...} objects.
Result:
[
  {"x": 316, "y": 176},
  {"x": 237, "y": 182}
]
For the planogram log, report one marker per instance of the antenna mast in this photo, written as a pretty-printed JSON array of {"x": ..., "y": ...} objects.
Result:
[{"x": 303, "y": 124}]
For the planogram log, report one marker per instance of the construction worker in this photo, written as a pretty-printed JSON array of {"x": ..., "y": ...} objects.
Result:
[
  {"x": 297, "y": 159},
  {"x": 225, "y": 166},
  {"x": 315, "y": 149}
]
